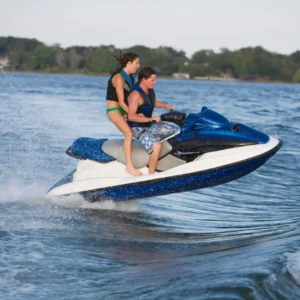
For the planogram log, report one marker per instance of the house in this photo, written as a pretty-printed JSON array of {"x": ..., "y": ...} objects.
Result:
[
  {"x": 3, "y": 62},
  {"x": 181, "y": 75}
]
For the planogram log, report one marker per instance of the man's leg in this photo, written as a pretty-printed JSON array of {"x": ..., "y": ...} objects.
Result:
[{"x": 156, "y": 149}]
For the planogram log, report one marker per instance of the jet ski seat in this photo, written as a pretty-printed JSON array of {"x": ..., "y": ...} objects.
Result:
[
  {"x": 140, "y": 158},
  {"x": 105, "y": 151}
]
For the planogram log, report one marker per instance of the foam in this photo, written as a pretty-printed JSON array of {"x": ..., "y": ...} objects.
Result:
[
  {"x": 35, "y": 194},
  {"x": 293, "y": 265}
]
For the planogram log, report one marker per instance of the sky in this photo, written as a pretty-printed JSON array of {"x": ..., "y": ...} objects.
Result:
[{"x": 188, "y": 25}]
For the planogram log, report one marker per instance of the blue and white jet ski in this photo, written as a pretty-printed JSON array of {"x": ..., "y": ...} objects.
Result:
[{"x": 208, "y": 150}]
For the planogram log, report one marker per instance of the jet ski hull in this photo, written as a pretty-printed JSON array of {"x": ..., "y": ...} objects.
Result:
[
  {"x": 178, "y": 183},
  {"x": 235, "y": 164}
]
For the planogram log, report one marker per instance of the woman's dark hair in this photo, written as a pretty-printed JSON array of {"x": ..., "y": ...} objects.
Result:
[
  {"x": 145, "y": 73},
  {"x": 124, "y": 58}
]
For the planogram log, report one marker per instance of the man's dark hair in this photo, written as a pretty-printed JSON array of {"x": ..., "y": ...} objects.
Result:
[{"x": 145, "y": 73}]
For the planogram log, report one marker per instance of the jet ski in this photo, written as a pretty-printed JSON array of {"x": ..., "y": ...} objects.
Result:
[{"x": 207, "y": 150}]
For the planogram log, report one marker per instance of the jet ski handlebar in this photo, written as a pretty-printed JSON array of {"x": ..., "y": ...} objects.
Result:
[{"x": 174, "y": 116}]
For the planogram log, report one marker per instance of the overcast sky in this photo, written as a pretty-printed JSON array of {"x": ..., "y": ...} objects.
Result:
[{"x": 187, "y": 25}]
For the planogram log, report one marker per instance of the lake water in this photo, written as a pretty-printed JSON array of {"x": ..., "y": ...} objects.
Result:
[{"x": 240, "y": 240}]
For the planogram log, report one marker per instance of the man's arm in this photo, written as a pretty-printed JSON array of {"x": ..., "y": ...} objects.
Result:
[
  {"x": 163, "y": 105},
  {"x": 133, "y": 101}
]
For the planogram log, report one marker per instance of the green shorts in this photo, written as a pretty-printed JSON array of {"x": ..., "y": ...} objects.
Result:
[{"x": 120, "y": 109}]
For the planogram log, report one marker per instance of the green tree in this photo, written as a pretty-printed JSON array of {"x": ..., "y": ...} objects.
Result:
[
  {"x": 102, "y": 60},
  {"x": 204, "y": 57},
  {"x": 15, "y": 60},
  {"x": 296, "y": 58},
  {"x": 296, "y": 77},
  {"x": 250, "y": 62},
  {"x": 10, "y": 44},
  {"x": 45, "y": 57}
]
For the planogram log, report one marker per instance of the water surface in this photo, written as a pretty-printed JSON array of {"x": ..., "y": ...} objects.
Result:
[{"x": 240, "y": 240}]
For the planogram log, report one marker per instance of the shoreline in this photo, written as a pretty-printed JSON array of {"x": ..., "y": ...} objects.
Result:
[{"x": 208, "y": 78}]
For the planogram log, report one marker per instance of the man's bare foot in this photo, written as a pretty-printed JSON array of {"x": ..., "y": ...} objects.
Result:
[{"x": 133, "y": 171}]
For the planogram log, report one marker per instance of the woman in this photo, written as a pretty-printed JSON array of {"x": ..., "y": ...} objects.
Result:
[
  {"x": 142, "y": 100},
  {"x": 119, "y": 86}
]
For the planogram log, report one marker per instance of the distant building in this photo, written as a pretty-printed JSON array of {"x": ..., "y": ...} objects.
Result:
[
  {"x": 3, "y": 62},
  {"x": 215, "y": 78},
  {"x": 181, "y": 75}
]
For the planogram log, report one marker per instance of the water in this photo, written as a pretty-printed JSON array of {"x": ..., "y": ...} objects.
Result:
[{"x": 240, "y": 240}]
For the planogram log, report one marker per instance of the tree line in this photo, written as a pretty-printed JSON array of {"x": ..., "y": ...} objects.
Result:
[{"x": 249, "y": 63}]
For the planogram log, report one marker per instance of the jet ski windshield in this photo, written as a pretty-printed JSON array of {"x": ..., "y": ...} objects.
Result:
[
  {"x": 210, "y": 124},
  {"x": 207, "y": 119}
]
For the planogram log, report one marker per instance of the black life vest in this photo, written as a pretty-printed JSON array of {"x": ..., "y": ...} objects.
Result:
[
  {"x": 111, "y": 93},
  {"x": 146, "y": 108}
]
